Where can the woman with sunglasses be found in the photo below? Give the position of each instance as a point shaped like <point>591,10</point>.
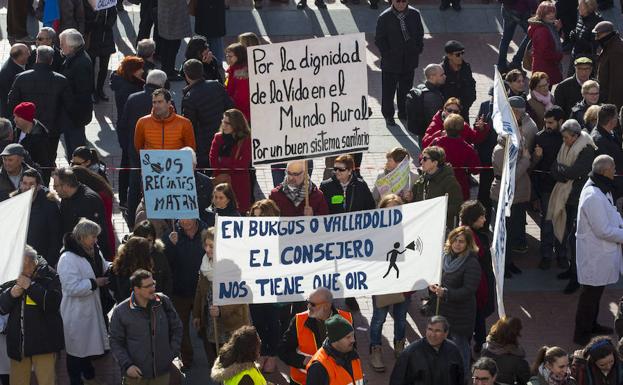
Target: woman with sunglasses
<point>435,129</point>
<point>598,363</point>
<point>344,191</point>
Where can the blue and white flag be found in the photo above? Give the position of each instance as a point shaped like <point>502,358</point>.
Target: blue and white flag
<point>505,125</point>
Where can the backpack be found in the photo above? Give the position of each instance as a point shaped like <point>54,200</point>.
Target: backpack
<point>414,105</point>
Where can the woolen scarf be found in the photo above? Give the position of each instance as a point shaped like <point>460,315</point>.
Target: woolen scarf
<point>453,262</point>
<point>605,184</point>
<point>207,268</point>
<point>228,143</point>
<point>296,194</point>
<point>553,379</point>
<point>545,100</point>
<point>403,25</point>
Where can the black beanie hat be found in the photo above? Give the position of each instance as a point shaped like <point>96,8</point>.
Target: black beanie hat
<point>337,327</point>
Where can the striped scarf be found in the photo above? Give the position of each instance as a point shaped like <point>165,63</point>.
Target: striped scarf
<point>403,25</point>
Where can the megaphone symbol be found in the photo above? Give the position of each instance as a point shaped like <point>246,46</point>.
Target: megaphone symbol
<point>416,245</point>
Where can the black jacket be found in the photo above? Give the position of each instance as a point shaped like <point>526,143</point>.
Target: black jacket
<point>57,61</point>
<point>421,364</point>
<point>567,94</point>
<point>211,211</point>
<point>44,228</point>
<point>550,141</point>
<point>78,69</point>
<point>37,144</point>
<point>6,185</point>
<point>578,172</point>
<point>584,43</point>
<point>578,111</point>
<point>184,259</point>
<point>99,25</point>
<point>317,374</point>
<point>203,104</point>
<point>210,18</point>
<point>608,144</point>
<point>459,84</point>
<point>485,148</point>
<point>422,103</point>
<point>8,72</point>
<point>397,55</point>
<point>41,329</point>
<point>357,196</point>
<point>203,184</point>
<point>49,91</point>
<point>86,203</point>
<point>123,89</point>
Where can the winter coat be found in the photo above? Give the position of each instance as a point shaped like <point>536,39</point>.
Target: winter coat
<point>537,110</point>
<point>511,361</point>
<point>173,19</point>
<point>598,238</point>
<point>78,69</point>
<point>81,308</point>
<point>578,172</point>
<point>137,106</point>
<point>287,208</point>
<point>527,130</point>
<point>582,38</point>
<point>6,185</point>
<point>567,94</point>
<point>470,135</point>
<point>237,86</point>
<point>44,227</point>
<point>57,61</point>
<point>72,15</point>
<point>35,325</point>
<point>170,133</point>
<point>584,372</point>
<point>236,165</point>
<point>485,295</point>
<point>397,55</point>
<point>545,57</point>
<point>485,148</point>
<point>459,84</point>
<point>523,185</point>
<point>49,91</point>
<point>36,142</point>
<point>149,338</point>
<point>8,72</point>
<point>421,364</point>
<point>203,185</point>
<point>609,73</point>
<point>539,380</point>
<point>86,203</point>
<point>98,37</point>
<point>229,211</point>
<point>458,304</point>
<point>608,144</point>
<point>461,154</point>
<point>356,197</point>
<point>210,18</point>
<point>231,317</point>
<point>421,108</point>
<point>578,111</point>
<point>123,89</point>
<point>184,259</point>
<point>203,104</point>
<point>550,141</point>
<point>439,184</point>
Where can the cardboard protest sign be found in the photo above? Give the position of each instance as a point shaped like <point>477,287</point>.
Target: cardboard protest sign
<point>382,251</point>
<point>98,5</point>
<point>396,181</point>
<point>309,98</point>
<point>169,184</point>
<point>14,218</point>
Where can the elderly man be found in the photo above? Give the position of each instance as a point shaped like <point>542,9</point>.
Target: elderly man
<point>13,166</point>
<point>78,69</point>
<point>569,91</point>
<point>290,196</point>
<point>598,246</point>
<point>337,361</point>
<point>33,136</point>
<point>459,82</point>
<point>47,37</point>
<point>6,133</point>
<point>431,360</point>
<point>424,100</point>
<point>145,49</point>
<point>15,64</point>
<point>306,333</point>
<point>609,74</point>
<point>35,328</point>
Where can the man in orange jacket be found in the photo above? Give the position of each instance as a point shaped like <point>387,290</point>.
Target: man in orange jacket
<point>163,129</point>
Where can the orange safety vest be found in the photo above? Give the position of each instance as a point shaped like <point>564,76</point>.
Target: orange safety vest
<point>337,374</point>
<point>307,343</point>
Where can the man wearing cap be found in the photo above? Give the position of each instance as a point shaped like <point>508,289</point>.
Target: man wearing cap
<point>337,361</point>
<point>15,64</point>
<point>13,167</point>
<point>527,126</point>
<point>307,332</point>
<point>400,39</point>
<point>609,74</point>
<point>32,135</point>
<point>459,80</point>
<point>569,91</point>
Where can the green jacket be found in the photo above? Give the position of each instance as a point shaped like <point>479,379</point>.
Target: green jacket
<point>439,184</point>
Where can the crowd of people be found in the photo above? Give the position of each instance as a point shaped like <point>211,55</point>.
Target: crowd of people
<point>82,291</point>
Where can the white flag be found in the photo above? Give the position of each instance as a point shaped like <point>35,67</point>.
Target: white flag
<point>14,218</point>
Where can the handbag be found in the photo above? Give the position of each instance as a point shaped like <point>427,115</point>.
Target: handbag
<point>385,300</point>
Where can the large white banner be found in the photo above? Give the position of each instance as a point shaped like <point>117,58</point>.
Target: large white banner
<point>309,98</point>
<point>392,250</point>
<point>505,125</point>
<point>14,217</point>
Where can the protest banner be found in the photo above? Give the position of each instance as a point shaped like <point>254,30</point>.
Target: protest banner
<point>283,259</point>
<point>98,5</point>
<point>505,125</point>
<point>14,218</point>
<point>396,181</point>
<point>169,184</point>
<point>309,98</point>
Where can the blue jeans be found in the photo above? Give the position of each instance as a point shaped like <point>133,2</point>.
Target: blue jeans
<point>399,311</point>
<point>465,348</point>
<point>510,21</point>
<point>217,48</point>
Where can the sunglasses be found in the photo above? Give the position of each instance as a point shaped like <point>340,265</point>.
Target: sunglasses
<point>290,173</point>
<point>341,169</point>
<point>425,158</point>
<point>311,304</point>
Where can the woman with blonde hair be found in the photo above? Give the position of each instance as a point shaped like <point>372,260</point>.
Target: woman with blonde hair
<point>503,347</point>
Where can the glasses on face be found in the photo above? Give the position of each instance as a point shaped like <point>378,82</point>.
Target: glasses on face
<point>459,54</point>
<point>340,169</point>
<point>425,159</point>
<point>592,93</point>
<point>311,304</point>
<point>452,111</point>
<point>290,173</point>
<point>481,379</point>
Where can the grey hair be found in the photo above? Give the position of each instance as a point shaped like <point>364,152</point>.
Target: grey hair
<point>602,163</point>
<point>430,69</point>
<point>588,85</point>
<point>571,126</point>
<point>30,252</point>
<point>192,153</point>
<point>84,228</point>
<point>486,363</point>
<point>6,129</point>
<point>45,54</point>
<point>145,48</point>
<point>439,319</point>
<point>590,4</point>
<point>73,38</point>
<point>156,78</point>
<point>328,296</point>
<point>50,32</point>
